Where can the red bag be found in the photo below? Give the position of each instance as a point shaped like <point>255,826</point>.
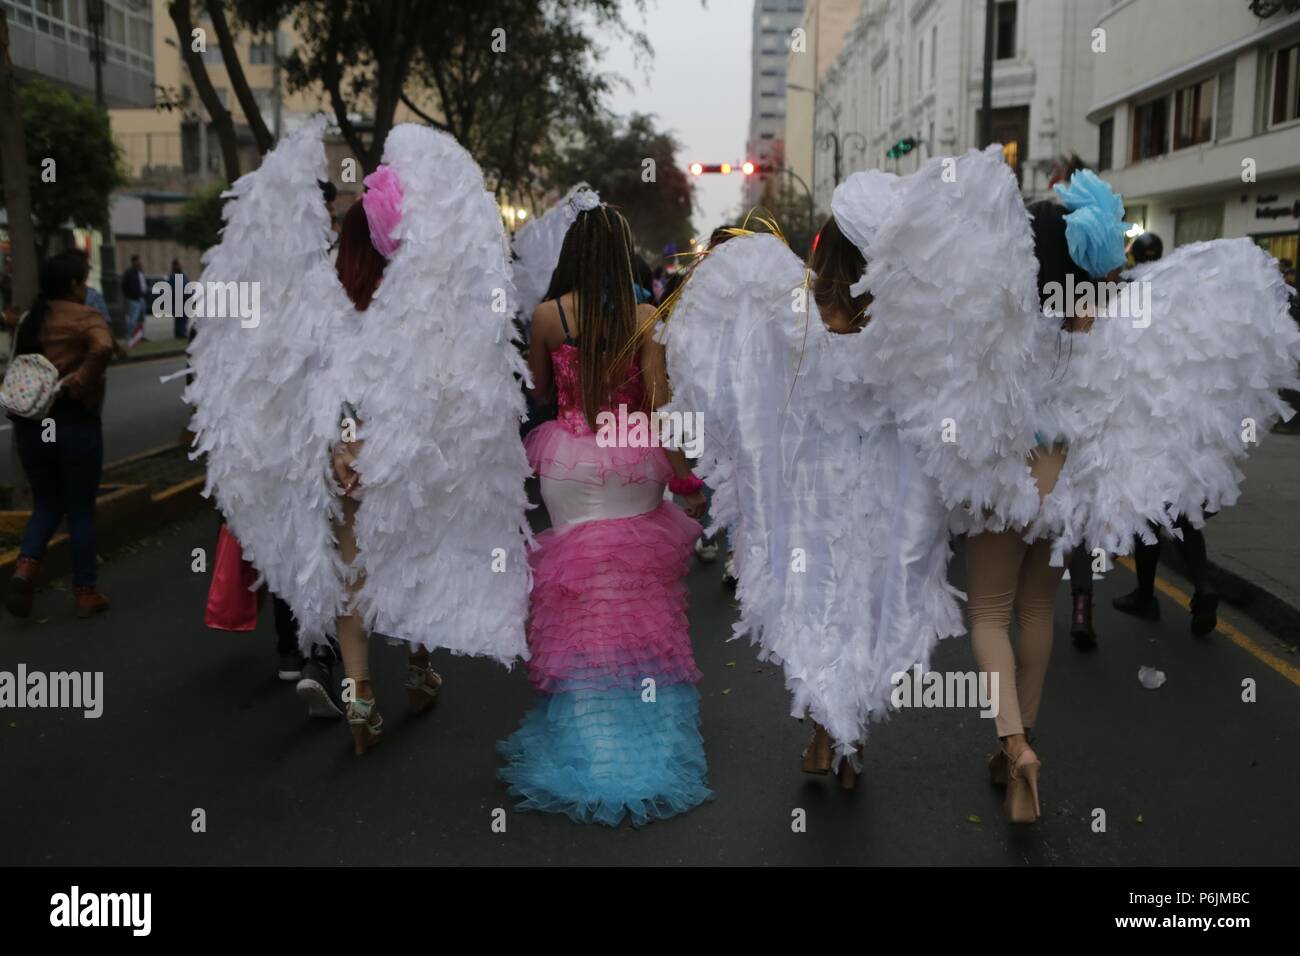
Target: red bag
<point>231,605</point>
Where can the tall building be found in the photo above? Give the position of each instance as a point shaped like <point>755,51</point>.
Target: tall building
<point>914,69</point>
<point>825,26</point>
<point>53,39</point>
<point>1197,116</point>
<point>774,24</point>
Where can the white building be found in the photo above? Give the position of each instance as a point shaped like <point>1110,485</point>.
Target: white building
<point>774,21</point>
<point>914,69</point>
<point>1198,113</point>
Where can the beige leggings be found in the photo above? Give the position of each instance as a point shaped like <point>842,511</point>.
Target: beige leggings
<point>354,644</point>
<point>1002,573</point>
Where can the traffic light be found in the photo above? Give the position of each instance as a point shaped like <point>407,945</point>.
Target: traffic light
<point>901,148</point>
<point>748,168</point>
<point>696,169</point>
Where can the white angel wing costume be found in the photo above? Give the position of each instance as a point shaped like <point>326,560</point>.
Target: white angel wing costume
<point>537,249</point>
<point>954,313</point>
<point>806,476</point>
<point>1176,381</point>
<point>262,414</point>
<point>431,368</point>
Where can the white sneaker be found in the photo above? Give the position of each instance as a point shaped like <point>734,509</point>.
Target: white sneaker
<point>706,550</point>
<point>729,576</point>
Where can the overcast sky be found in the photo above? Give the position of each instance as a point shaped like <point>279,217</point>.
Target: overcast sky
<point>697,85</point>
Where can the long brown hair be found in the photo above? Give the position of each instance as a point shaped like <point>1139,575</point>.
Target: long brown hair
<point>837,264</point>
<point>360,265</point>
<point>596,265</point>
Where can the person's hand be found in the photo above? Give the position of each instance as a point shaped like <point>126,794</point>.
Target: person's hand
<point>344,460</point>
<point>696,504</point>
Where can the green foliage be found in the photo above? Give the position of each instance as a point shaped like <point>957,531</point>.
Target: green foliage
<point>199,224</point>
<point>87,165</point>
<point>612,156</point>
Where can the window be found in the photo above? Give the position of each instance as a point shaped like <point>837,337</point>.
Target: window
<point>259,54</point>
<point>1006,30</point>
<point>1286,84</point>
<point>1194,114</point>
<point>920,66</point>
<point>934,46</point>
<point>1198,223</point>
<point>1105,143</point>
<point>1151,129</point>
<point>1223,113</point>
<point>1281,246</point>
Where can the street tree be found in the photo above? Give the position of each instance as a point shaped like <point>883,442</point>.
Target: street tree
<point>633,166</point>
<point>73,163</point>
<point>17,190</point>
<point>199,224</point>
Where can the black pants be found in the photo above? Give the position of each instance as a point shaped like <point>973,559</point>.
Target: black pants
<point>64,475</point>
<point>1191,549</point>
<point>1081,569</point>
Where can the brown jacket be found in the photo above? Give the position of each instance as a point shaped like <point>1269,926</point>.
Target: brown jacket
<point>76,340</point>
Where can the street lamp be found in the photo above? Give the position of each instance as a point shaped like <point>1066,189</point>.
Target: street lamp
<point>832,140</point>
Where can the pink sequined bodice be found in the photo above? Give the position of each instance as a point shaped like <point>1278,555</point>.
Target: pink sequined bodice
<point>569,412</point>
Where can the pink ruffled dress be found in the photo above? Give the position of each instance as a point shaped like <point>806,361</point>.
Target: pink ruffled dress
<point>616,732</point>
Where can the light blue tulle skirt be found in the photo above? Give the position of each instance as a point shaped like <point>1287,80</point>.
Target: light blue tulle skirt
<point>599,756</point>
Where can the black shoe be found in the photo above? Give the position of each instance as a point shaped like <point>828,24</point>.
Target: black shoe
<point>1205,613</point>
<point>316,687</point>
<point>1139,604</point>
<point>290,666</point>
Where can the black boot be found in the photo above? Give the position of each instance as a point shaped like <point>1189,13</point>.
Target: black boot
<point>1139,603</point>
<point>1205,613</point>
<point>1085,638</point>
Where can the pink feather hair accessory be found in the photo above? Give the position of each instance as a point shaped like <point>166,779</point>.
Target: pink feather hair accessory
<point>382,202</point>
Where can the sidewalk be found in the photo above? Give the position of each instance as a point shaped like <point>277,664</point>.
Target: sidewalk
<point>1254,546</point>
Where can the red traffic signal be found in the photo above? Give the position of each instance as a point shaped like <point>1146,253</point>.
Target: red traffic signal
<point>748,168</point>
<point>696,169</point>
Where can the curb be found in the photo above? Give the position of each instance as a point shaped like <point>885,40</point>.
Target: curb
<point>152,356</point>
<point>1271,611</point>
<point>121,517</point>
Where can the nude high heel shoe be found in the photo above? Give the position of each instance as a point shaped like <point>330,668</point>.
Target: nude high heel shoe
<point>817,756</point>
<point>1022,787</point>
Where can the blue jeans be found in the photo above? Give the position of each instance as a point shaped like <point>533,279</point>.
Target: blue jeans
<point>64,475</point>
<point>134,316</point>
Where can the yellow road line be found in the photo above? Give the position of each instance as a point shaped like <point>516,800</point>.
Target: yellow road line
<point>1285,668</point>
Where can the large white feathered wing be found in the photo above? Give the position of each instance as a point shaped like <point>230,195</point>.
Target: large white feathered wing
<point>800,460</point>
<point>1177,380</point>
<point>433,369</point>
<point>537,251</point>
<point>953,320</point>
<point>257,390</point>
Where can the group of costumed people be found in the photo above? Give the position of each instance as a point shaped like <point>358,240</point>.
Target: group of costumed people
<point>914,381</point>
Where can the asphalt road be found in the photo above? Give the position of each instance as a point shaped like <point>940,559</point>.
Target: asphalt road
<point>1187,774</point>
<point>140,413</point>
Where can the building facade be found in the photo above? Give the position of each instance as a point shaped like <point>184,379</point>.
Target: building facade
<point>914,69</point>
<point>53,40</point>
<point>824,26</point>
<point>774,22</point>
<point>1197,119</point>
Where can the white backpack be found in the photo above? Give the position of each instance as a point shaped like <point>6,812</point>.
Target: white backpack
<point>30,385</point>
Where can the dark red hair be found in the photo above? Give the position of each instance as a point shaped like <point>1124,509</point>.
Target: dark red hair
<point>360,265</point>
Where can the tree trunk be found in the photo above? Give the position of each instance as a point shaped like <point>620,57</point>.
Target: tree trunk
<point>225,126</point>
<point>13,168</point>
<point>238,82</point>
<point>22,237</point>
